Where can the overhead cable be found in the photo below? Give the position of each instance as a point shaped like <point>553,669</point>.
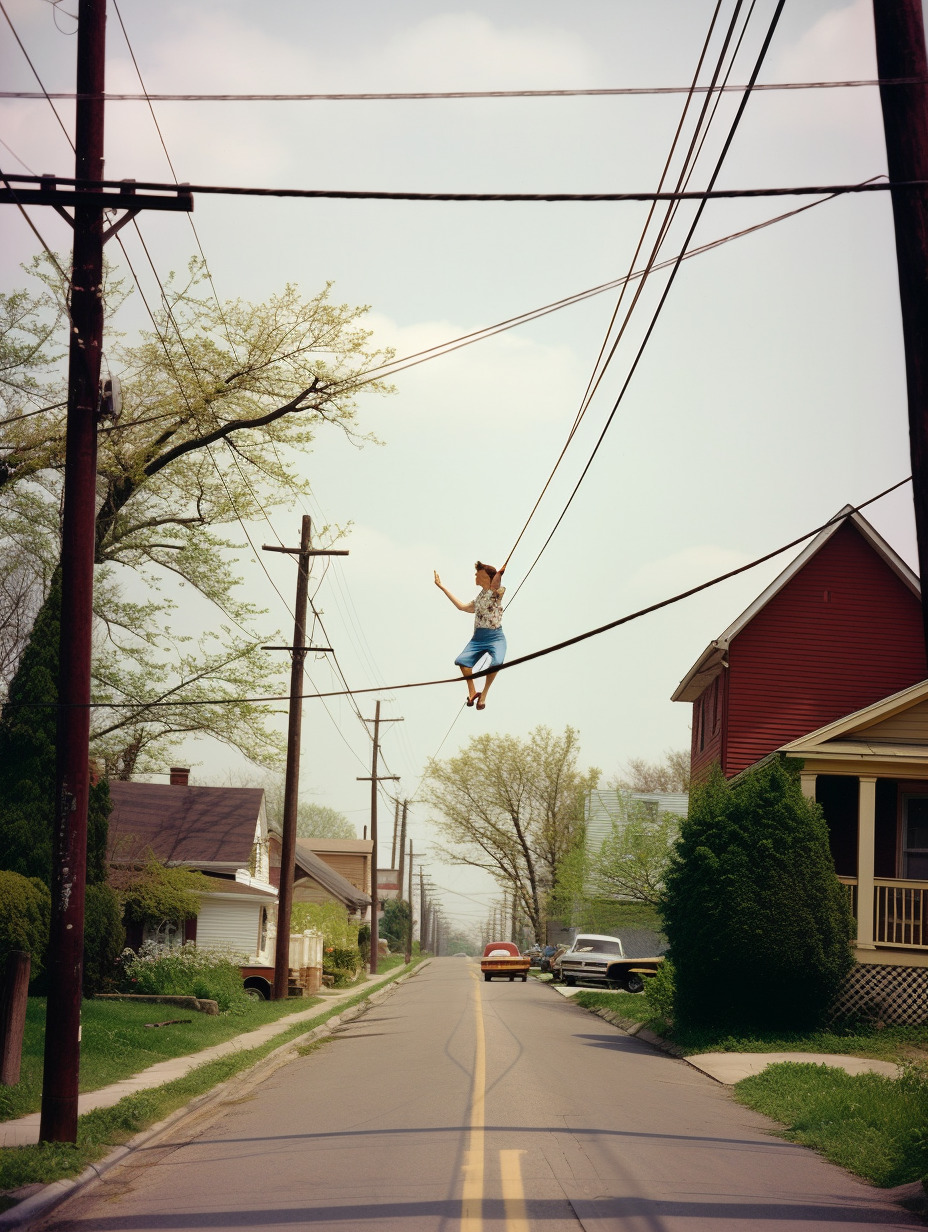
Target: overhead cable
<point>426,95</point>
<point>345,194</point>
<point>535,654</point>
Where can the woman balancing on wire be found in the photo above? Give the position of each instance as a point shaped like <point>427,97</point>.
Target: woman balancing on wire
<point>487,648</point>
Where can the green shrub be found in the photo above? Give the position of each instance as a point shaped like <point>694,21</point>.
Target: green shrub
<point>342,963</point>
<point>330,919</point>
<point>395,923</point>
<point>160,894</point>
<point>758,924</point>
<point>25,914</point>
<point>185,971</point>
<point>659,992</point>
<point>104,938</point>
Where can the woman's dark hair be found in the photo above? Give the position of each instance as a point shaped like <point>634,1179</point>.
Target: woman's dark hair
<point>490,570</point>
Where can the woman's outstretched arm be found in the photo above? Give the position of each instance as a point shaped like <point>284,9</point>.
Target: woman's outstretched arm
<point>462,607</point>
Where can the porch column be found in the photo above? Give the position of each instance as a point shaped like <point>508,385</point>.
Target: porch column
<point>807,779</point>
<point>866,843</point>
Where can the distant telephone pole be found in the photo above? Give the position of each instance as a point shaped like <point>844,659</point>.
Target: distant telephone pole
<point>374,779</point>
<point>411,912</point>
<point>304,553</point>
<point>402,864</point>
<point>900,53</point>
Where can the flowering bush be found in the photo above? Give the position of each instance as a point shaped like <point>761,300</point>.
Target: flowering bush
<point>184,971</point>
<point>342,963</point>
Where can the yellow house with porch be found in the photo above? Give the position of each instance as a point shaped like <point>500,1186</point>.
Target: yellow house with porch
<point>869,772</point>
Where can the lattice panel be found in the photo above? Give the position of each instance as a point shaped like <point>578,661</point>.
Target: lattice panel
<point>890,994</point>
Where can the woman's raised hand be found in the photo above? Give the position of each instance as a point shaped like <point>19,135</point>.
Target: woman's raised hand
<point>437,578</point>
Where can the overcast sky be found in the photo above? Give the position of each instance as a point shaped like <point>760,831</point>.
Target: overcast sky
<point>770,394</point>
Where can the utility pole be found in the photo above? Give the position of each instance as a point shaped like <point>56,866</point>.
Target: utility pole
<point>72,773</point>
<point>375,778</point>
<point>422,945</point>
<point>402,865</point>
<point>409,900</point>
<point>294,731</point>
<point>78,542</point>
<point>900,53</point>
<point>396,826</point>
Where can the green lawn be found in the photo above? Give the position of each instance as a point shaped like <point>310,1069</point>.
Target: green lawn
<point>874,1126</point>
<point>101,1130</point>
<point>898,1043</point>
<point>116,1043</point>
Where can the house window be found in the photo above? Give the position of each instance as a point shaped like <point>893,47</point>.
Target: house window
<point>915,839</point>
<point>168,932</point>
<point>262,931</point>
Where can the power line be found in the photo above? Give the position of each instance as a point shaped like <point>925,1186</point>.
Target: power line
<point>344,194</point>
<point>546,650</point>
<point>446,348</point>
<point>425,95</point>
<point>701,128</point>
<point>663,299</point>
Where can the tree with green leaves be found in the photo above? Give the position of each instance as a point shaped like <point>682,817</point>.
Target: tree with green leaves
<point>759,925</point>
<point>159,896</point>
<point>634,855</point>
<point>515,809</point>
<point>394,924</point>
<point>220,404</point>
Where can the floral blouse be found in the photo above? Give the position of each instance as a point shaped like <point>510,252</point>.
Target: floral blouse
<point>488,609</point>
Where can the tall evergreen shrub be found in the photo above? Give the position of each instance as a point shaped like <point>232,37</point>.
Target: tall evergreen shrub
<point>759,925</point>
<point>27,760</point>
<point>25,912</point>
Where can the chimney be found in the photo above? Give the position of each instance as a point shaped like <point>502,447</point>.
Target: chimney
<point>180,776</point>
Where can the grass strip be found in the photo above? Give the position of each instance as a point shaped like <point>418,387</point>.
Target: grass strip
<point>875,1127</point>
<point>104,1128</point>
<point>116,1043</point>
<point>896,1043</point>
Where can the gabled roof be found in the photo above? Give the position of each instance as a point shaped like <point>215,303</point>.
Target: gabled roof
<point>870,731</point>
<point>714,657</point>
<point>337,885</point>
<point>201,826</point>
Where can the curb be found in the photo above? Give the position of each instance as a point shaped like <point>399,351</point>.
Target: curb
<point>24,1213</point>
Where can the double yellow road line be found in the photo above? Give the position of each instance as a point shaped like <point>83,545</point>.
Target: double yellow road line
<point>510,1162</point>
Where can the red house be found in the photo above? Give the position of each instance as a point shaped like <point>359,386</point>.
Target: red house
<point>838,630</point>
<point>828,667</point>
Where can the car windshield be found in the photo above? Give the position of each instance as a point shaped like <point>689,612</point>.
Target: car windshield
<point>586,945</point>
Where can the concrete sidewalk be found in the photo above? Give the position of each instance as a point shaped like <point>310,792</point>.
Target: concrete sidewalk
<point>730,1067</point>
<point>25,1130</point>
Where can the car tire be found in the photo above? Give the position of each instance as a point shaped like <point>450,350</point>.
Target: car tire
<point>524,979</point>
<point>486,976</point>
<point>570,980</point>
<point>634,982</point>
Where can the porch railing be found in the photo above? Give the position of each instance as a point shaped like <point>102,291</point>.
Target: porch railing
<point>900,911</point>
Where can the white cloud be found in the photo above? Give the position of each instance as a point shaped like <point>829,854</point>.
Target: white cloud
<point>508,379</point>
<point>681,570</point>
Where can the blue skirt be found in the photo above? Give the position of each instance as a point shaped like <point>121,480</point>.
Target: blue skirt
<point>490,642</point>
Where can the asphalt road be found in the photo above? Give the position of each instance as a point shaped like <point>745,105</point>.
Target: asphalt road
<point>460,1105</point>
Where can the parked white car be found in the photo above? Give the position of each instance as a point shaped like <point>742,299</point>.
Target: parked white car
<point>598,959</point>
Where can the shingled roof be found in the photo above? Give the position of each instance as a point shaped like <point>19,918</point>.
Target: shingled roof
<point>208,827</point>
<point>328,878</point>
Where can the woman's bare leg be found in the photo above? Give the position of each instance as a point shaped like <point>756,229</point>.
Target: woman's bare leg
<point>487,681</point>
<point>471,691</point>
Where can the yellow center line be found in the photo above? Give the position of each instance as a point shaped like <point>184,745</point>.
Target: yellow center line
<point>472,1195</point>
<point>510,1166</point>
